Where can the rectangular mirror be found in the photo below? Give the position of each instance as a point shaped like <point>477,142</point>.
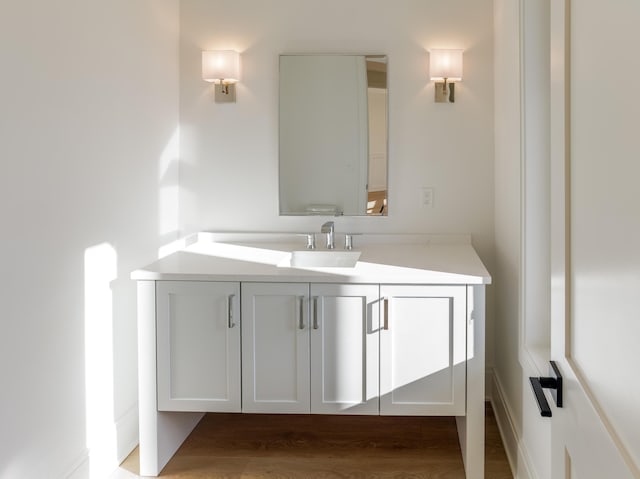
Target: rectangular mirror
<point>333,135</point>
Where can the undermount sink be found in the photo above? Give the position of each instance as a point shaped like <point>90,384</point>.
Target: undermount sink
<point>322,259</point>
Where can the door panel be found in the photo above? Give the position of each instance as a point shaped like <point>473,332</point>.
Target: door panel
<point>423,350</point>
<point>595,256</point>
<point>275,348</point>
<point>198,346</point>
<point>344,346</point>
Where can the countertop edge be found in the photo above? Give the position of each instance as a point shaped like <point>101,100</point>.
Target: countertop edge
<point>200,257</point>
<point>312,277</point>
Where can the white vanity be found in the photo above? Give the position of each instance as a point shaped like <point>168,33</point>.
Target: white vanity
<point>227,325</point>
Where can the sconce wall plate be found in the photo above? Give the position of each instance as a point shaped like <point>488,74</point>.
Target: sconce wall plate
<point>445,92</point>
<point>224,93</point>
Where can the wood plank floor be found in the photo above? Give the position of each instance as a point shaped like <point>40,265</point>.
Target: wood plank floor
<point>313,446</point>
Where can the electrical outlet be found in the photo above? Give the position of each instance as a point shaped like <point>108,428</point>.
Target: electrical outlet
<point>426,197</point>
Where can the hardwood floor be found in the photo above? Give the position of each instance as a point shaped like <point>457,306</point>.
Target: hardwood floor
<point>313,446</point>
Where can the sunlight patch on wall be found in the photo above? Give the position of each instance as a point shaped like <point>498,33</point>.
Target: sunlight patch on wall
<point>168,190</point>
<point>100,269</point>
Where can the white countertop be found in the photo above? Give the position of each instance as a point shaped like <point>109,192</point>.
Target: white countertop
<point>394,259</point>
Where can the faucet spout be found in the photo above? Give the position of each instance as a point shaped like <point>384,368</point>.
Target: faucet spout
<point>328,228</point>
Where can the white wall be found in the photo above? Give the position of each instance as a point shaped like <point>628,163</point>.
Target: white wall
<point>89,104</point>
<point>229,152</point>
<point>507,391</point>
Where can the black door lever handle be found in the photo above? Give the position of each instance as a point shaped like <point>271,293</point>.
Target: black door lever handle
<point>553,382</point>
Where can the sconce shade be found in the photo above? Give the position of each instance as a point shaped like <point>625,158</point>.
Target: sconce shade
<point>221,66</point>
<point>445,64</point>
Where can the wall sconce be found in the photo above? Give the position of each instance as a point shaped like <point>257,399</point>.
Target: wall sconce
<point>445,68</point>
<point>222,67</point>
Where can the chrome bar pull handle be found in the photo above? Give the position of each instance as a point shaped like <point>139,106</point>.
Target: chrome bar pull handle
<point>386,314</point>
<point>301,312</point>
<point>315,312</point>
<point>230,321</point>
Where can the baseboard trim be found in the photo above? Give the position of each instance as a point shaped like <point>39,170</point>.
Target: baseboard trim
<point>514,447</point>
<point>125,430</point>
<point>488,383</point>
<point>79,469</point>
<point>127,433</point>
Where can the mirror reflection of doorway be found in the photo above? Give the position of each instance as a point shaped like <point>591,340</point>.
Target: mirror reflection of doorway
<point>377,103</point>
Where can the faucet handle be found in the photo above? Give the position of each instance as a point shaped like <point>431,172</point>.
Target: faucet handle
<point>348,241</point>
<point>310,238</point>
<point>311,241</point>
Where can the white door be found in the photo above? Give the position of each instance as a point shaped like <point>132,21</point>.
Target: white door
<point>423,350</point>
<point>198,341</point>
<point>344,349</point>
<point>275,348</point>
<point>595,240</point>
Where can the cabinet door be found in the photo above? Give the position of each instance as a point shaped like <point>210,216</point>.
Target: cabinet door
<point>198,341</point>
<point>344,349</point>
<point>423,350</point>
<point>275,347</point>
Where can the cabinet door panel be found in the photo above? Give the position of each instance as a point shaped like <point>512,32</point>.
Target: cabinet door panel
<point>275,345</point>
<point>198,351</point>
<point>344,348</point>
<point>423,350</point>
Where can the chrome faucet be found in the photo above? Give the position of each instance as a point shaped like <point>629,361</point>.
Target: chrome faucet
<point>328,229</point>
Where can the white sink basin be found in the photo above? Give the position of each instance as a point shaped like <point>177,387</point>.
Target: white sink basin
<point>321,259</point>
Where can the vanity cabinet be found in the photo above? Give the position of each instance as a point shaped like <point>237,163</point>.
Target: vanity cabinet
<point>311,348</point>
<point>198,346</point>
<point>423,350</point>
<point>225,327</point>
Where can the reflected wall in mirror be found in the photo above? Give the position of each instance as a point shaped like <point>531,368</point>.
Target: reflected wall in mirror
<point>333,135</point>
